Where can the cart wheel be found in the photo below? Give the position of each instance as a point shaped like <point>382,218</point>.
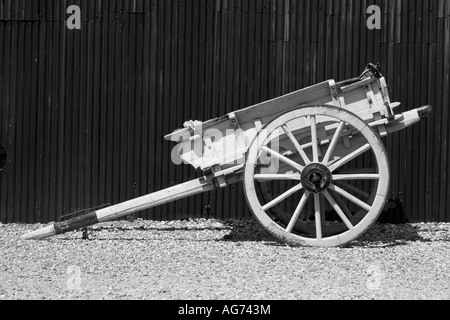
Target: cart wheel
<point>279,214</point>
<point>317,176</point>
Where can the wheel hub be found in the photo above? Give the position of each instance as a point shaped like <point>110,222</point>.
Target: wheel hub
<point>316,178</point>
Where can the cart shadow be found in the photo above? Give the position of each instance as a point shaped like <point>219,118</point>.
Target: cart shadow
<point>241,231</point>
<point>380,235</point>
<point>387,235</point>
<point>249,231</point>
<point>230,230</point>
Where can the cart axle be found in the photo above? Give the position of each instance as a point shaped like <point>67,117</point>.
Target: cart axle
<point>316,178</point>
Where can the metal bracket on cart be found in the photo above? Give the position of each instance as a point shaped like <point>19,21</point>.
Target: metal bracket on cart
<point>80,213</point>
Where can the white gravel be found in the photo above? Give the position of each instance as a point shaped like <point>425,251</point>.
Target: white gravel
<point>210,259</point>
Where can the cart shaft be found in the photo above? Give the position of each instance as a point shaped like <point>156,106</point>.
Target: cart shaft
<point>404,120</point>
<point>151,200</point>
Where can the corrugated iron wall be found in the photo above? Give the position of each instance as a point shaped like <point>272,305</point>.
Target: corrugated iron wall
<point>83,112</point>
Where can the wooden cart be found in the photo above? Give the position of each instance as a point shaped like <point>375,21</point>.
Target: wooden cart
<point>314,169</point>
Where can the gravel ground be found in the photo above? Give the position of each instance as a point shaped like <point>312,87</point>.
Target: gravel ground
<point>211,259</point>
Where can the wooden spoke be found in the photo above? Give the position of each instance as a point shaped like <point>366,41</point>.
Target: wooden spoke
<point>297,211</point>
<point>338,209</point>
<point>315,147</point>
<point>357,171</point>
<point>305,216</point>
<point>296,144</point>
<point>350,197</point>
<point>358,176</point>
<point>272,177</point>
<point>349,157</point>
<point>318,217</point>
<point>282,197</point>
<point>342,205</point>
<point>354,189</point>
<point>333,143</point>
<point>286,160</point>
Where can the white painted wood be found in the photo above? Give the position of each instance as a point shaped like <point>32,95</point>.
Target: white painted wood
<point>407,119</point>
<point>272,177</point>
<point>282,197</point>
<point>318,216</point>
<point>297,211</point>
<point>358,84</point>
<point>333,143</point>
<point>283,158</point>
<point>350,157</point>
<point>297,146</point>
<point>39,234</point>
<point>342,205</point>
<point>351,197</point>
<point>253,118</point>
<point>156,199</point>
<point>271,109</point>
<point>338,210</point>
<point>357,176</point>
<point>337,101</point>
<point>315,147</point>
<point>352,188</point>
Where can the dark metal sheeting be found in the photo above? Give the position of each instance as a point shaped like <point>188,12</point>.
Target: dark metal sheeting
<point>83,112</point>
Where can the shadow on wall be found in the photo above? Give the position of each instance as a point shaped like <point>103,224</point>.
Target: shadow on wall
<point>3,158</point>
